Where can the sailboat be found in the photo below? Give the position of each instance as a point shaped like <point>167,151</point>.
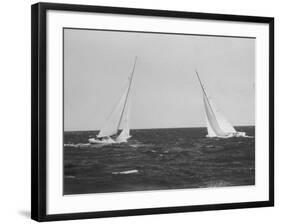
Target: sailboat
<point>217,125</point>
<point>118,119</point>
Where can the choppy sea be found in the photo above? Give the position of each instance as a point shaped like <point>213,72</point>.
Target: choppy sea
<point>158,159</point>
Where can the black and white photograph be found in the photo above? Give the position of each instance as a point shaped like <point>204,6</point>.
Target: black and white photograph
<point>146,111</point>
<point>139,111</point>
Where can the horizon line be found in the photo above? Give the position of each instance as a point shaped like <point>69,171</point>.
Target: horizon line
<point>252,125</point>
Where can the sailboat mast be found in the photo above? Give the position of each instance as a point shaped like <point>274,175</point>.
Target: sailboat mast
<point>129,88</point>
<point>204,92</point>
<point>200,82</point>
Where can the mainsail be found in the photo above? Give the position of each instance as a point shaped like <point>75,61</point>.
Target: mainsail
<point>111,125</point>
<point>125,133</point>
<point>119,115</point>
<point>217,124</point>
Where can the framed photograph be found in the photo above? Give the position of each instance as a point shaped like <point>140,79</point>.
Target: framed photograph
<point>140,111</point>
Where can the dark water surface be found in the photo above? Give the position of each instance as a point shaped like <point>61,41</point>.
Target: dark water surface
<point>160,159</point>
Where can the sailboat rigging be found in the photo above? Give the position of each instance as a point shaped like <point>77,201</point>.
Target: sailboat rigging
<point>118,119</point>
<point>217,124</point>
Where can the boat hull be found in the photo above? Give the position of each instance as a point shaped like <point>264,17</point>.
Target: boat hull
<point>108,141</point>
<point>230,135</point>
<point>103,141</point>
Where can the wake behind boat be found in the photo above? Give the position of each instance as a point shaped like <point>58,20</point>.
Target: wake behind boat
<point>217,125</point>
<point>118,119</point>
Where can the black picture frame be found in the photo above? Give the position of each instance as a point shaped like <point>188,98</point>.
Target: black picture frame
<point>39,122</point>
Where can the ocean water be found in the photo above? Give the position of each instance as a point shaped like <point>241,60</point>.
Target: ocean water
<point>158,159</point>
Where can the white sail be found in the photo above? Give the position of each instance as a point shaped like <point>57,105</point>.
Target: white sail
<point>217,124</point>
<point>125,133</point>
<point>224,124</point>
<point>211,132</point>
<point>120,114</point>
<point>112,123</point>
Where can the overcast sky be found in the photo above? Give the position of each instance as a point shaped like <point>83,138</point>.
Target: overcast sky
<point>165,91</point>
